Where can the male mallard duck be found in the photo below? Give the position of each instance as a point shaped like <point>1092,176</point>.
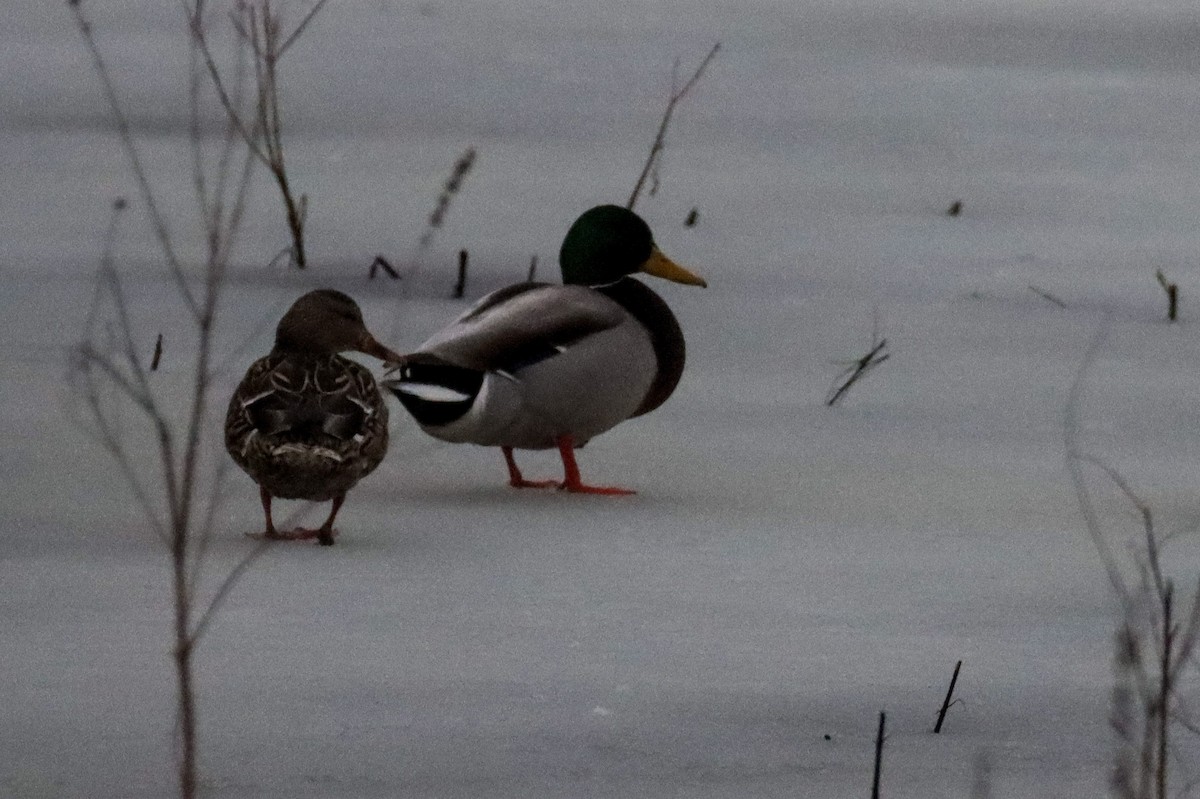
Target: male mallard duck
<point>538,365</point>
<point>305,422</point>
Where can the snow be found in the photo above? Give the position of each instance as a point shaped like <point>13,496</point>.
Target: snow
<point>786,571</point>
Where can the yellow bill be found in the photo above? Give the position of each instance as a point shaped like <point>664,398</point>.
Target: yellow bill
<point>660,265</point>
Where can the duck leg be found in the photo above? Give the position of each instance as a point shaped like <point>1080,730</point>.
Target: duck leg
<point>571,480</point>
<point>325,533</point>
<point>516,480</point>
<point>270,532</point>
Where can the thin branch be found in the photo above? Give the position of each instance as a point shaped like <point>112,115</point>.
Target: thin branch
<point>1143,511</point>
<point>858,370</point>
<point>207,526</point>
<point>300,28</point>
<point>1045,295</point>
<point>113,444</point>
<point>89,357</point>
<point>107,366</point>
<point>382,263</point>
<point>198,176</point>
<point>879,739</point>
<point>158,353</point>
<point>268,318</point>
<point>229,222</point>
<point>125,325</point>
<point>1075,460</point>
<point>453,184</point>
<point>222,592</point>
<point>659,142</point>
<point>231,108</point>
<point>1166,688</point>
<point>1187,636</point>
<point>1172,290</point>
<point>125,135</point>
<point>937,728</point>
<point>232,223</point>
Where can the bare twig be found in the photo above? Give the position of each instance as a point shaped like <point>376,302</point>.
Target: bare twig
<point>260,28</point>
<point>382,263</point>
<point>878,770</point>
<point>1045,295</point>
<point>125,135</point>
<point>295,34</point>
<point>222,592</point>
<point>1165,689</point>
<point>1126,663</point>
<point>660,137</point>
<point>1146,688</point>
<point>859,367</point>
<point>452,186</point>
<point>1172,290</point>
<point>852,375</point>
<point>460,286</point>
<point>1075,460</point>
<point>158,351</point>
<point>106,368</point>
<point>946,703</point>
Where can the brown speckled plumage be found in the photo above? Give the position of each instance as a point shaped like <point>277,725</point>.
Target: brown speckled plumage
<point>305,422</point>
<point>307,427</point>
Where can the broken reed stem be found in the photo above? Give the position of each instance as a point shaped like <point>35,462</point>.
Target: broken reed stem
<point>1126,662</point>
<point>461,286</point>
<point>879,738</point>
<point>158,351</point>
<point>937,728</point>
<point>857,371</point>
<point>1145,700</point>
<point>109,374</point>
<point>1165,689</point>
<point>532,269</point>
<point>659,142</point>
<point>1045,295</point>
<point>125,135</point>
<point>382,263</point>
<point>1172,290</point>
<point>259,27</point>
<point>452,186</point>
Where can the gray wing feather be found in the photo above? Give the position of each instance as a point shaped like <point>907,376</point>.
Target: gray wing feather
<point>520,322</point>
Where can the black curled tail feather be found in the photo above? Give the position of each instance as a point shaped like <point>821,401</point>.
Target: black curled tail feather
<point>434,392</point>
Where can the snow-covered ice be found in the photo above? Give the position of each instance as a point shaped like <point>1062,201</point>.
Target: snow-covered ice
<point>787,570</point>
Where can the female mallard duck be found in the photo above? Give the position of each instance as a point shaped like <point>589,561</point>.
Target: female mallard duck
<point>538,365</point>
<point>305,422</point>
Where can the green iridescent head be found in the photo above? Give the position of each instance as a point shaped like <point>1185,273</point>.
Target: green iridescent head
<point>607,243</point>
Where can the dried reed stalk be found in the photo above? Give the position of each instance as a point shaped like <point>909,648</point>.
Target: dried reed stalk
<point>1155,643</point>
<point>660,137</point>
<point>107,370</point>
<point>260,29</point>
<point>452,186</point>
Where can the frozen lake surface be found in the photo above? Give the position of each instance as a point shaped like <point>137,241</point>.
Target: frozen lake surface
<point>786,570</point>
